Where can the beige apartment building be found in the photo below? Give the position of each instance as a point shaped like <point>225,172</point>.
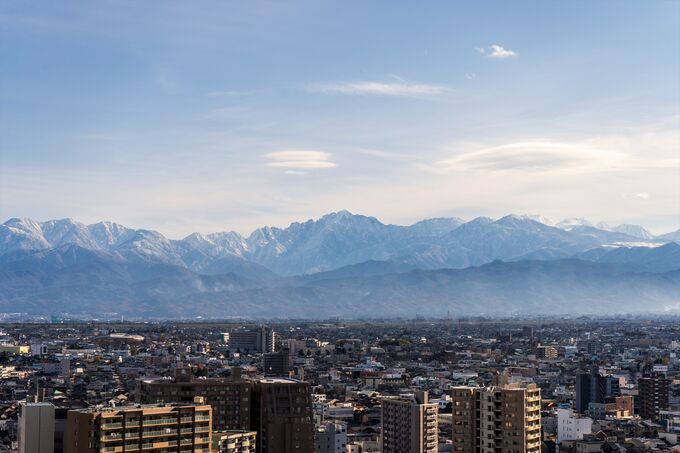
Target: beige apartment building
<point>409,424</point>
<point>499,419</point>
<point>148,429</point>
<point>235,442</point>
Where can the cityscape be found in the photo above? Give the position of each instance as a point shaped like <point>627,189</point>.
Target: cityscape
<point>581,384</point>
<point>339,226</point>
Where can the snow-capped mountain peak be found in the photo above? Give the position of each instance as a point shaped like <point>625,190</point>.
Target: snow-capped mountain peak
<point>334,240</point>
<point>25,225</point>
<point>633,230</point>
<point>538,218</point>
<point>572,222</point>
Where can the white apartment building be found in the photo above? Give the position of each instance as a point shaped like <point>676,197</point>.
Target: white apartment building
<point>572,426</point>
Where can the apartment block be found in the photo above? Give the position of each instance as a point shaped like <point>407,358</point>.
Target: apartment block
<point>230,399</point>
<point>36,428</point>
<point>503,419</point>
<point>572,426</point>
<point>465,418</point>
<point>546,352</point>
<point>331,437</point>
<point>261,340</point>
<point>278,409</point>
<point>276,363</point>
<point>653,395</point>
<point>282,416</point>
<point>148,429</point>
<point>409,424</point>
<point>235,442</point>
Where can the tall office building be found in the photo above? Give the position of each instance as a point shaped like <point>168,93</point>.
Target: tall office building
<point>409,424</point>
<point>591,387</point>
<point>282,416</point>
<point>262,340</point>
<point>497,419</point>
<point>36,428</point>
<point>653,394</point>
<point>157,428</point>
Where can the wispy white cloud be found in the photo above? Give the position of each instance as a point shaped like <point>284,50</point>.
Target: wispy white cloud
<point>399,87</point>
<point>497,51</point>
<point>395,156</point>
<point>540,155</point>
<point>532,155</point>
<point>642,195</point>
<point>229,93</point>
<point>300,159</point>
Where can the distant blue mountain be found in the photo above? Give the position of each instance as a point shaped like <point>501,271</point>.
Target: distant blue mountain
<point>341,258</point>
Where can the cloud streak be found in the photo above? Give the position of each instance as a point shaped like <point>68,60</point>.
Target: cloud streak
<point>553,156</point>
<point>399,88</point>
<point>536,155</point>
<point>229,93</point>
<point>300,160</point>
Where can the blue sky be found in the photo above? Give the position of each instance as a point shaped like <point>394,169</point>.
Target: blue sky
<point>206,117</point>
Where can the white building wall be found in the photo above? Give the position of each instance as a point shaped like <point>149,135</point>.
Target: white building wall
<point>571,426</point>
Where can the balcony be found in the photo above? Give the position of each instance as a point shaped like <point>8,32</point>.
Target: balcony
<point>161,421</point>
<point>172,432</point>
<point>111,425</point>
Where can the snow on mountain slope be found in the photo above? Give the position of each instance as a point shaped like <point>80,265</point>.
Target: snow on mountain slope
<point>335,240</point>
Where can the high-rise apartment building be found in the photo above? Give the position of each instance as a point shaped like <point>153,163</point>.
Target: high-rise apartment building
<point>262,340</point>
<point>230,399</point>
<point>282,416</point>
<point>503,419</point>
<point>36,428</point>
<point>279,410</point>
<point>465,418</point>
<point>153,428</point>
<point>653,395</point>
<point>409,424</point>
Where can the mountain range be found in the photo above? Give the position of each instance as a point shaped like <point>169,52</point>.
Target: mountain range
<point>340,265</point>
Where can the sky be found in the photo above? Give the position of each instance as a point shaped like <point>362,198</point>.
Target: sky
<point>212,116</point>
